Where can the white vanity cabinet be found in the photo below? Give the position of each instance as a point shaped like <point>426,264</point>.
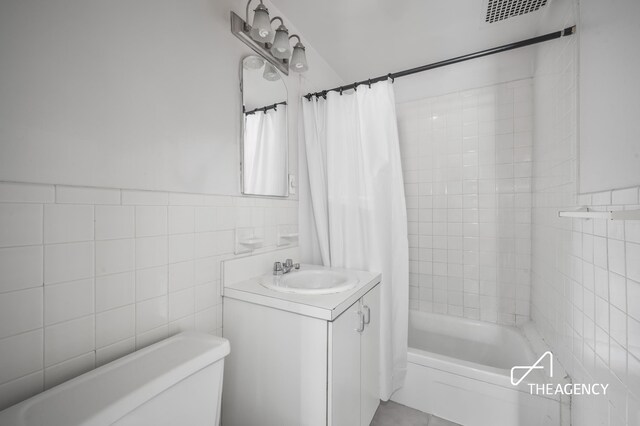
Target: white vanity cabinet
<point>297,360</point>
<point>354,354</point>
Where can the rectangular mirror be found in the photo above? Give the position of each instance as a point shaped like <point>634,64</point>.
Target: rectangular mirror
<point>264,132</point>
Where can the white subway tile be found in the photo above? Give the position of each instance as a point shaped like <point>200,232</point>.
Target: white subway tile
<point>600,252</point>
<point>20,224</point>
<point>68,340</point>
<point>617,256</point>
<point>68,262</point>
<point>206,219</point>
<point>183,324</point>
<point>66,223</point>
<point>66,370</point>
<point>151,221</point>
<point>151,314</point>
<point>181,219</point>
<point>206,320</point>
<point>152,336</point>
<point>113,256</point>
<point>632,231</point>
<point>151,251</point>
<point>115,290</point>
<point>181,247</point>
<point>86,195</point>
<point>144,198</point>
<point>20,389</point>
<point>207,269</point>
<point>206,295</point>
<point>601,198</point>
<point>26,193</point>
<point>114,222</point>
<point>633,296</point>
<point>618,291</point>
<point>67,301</point>
<point>633,261</point>
<point>20,311</point>
<point>151,283</point>
<point>20,355</point>
<point>21,268</point>
<point>115,325</point>
<point>181,303</point>
<point>625,196</point>
<point>181,275</point>
<point>182,199</point>
<point>117,350</point>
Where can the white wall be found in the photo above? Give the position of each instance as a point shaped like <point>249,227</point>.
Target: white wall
<point>585,274</point>
<point>507,66</point>
<point>92,274</point>
<point>125,94</point>
<point>609,95</point>
<point>467,169</point>
<point>101,102</point>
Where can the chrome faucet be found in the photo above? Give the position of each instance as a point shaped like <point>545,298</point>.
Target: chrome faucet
<point>281,268</point>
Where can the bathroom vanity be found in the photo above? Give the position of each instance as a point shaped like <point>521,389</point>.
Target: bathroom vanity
<point>302,359</point>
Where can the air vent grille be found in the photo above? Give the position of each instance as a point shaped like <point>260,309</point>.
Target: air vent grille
<point>498,10</point>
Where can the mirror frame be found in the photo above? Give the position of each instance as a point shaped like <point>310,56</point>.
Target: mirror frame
<point>242,131</point>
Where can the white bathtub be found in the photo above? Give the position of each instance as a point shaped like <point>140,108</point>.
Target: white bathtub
<point>459,369</point>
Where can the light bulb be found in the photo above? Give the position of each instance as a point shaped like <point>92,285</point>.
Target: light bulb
<point>299,58</point>
<point>261,29</point>
<point>253,63</point>
<point>270,73</point>
<point>281,48</point>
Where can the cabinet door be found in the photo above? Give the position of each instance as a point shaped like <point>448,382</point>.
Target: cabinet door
<point>344,367</point>
<point>370,356</point>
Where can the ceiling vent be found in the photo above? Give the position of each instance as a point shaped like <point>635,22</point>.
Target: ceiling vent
<point>498,10</point>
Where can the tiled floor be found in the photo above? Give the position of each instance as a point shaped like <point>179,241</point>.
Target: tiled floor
<point>393,414</point>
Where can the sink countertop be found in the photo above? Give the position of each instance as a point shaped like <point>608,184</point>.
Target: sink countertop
<point>323,306</point>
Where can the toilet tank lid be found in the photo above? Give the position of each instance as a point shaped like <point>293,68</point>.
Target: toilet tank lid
<point>107,393</point>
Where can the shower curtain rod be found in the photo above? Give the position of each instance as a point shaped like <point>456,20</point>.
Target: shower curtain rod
<point>265,108</point>
<point>528,42</point>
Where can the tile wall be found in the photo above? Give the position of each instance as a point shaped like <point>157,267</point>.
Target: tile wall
<point>91,274</point>
<point>585,273</point>
<point>467,169</point>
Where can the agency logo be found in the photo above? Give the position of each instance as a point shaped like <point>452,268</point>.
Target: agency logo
<point>553,388</point>
<point>529,368</point>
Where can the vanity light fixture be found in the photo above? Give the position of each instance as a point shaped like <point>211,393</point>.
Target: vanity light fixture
<point>253,63</point>
<point>270,73</point>
<point>281,48</point>
<point>272,45</point>
<point>261,30</point>
<point>299,57</point>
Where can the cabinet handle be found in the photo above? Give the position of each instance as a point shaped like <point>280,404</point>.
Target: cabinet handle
<point>360,328</point>
<point>367,314</point>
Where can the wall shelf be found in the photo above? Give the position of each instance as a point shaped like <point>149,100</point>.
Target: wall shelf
<point>247,241</point>
<point>587,213</point>
<point>287,235</point>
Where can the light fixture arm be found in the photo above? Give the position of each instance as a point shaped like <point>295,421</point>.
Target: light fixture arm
<point>279,19</point>
<point>296,36</point>
<point>247,11</point>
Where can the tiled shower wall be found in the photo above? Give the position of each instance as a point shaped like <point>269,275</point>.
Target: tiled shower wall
<point>585,273</point>
<point>467,169</point>
<point>91,274</point>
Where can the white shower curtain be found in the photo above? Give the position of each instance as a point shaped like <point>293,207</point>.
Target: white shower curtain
<point>357,199</point>
<point>264,151</point>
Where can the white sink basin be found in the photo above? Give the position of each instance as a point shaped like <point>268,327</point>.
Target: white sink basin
<point>311,281</point>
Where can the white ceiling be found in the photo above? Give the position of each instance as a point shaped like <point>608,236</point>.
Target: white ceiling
<point>368,38</point>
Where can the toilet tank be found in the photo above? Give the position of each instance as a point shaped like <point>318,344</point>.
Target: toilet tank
<point>177,381</point>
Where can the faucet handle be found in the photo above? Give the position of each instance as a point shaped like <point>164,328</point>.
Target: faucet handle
<point>288,263</point>
<point>277,268</point>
